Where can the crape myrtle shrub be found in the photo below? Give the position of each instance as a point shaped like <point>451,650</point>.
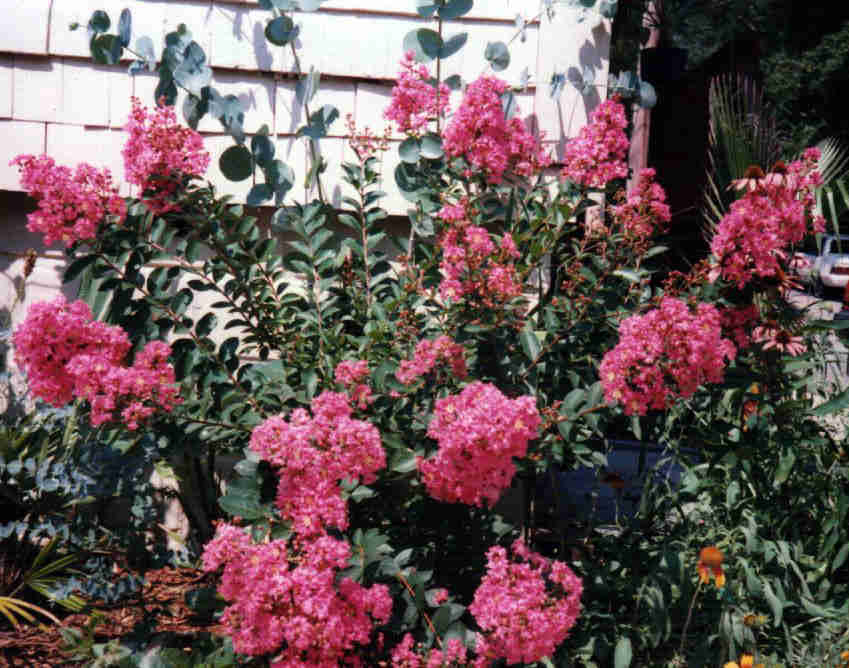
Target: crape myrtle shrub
<point>394,403</point>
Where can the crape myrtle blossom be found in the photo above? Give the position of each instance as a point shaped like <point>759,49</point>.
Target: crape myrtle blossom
<point>406,655</point>
<point>430,355</point>
<point>752,239</point>
<point>665,354</point>
<point>491,143</point>
<point>160,154</point>
<point>414,100</point>
<point>67,354</point>
<point>479,432</point>
<point>71,204</point>
<point>645,211</point>
<point>350,374</point>
<point>597,154</point>
<point>526,605</point>
<point>312,454</point>
<point>288,602</point>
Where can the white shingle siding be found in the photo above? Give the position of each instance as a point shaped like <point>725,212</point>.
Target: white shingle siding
<point>18,137</point>
<point>23,26</point>
<point>47,78</point>
<point>6,70</point>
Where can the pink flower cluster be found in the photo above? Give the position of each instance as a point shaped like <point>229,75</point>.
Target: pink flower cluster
<point>350,375</point>
<point>490,142</point>
<point>752,238</point>
<point>479,431</point>
<point>66,354</point>
<point>160,154</point>
<point>313,454</point>
<point>414,100</point>
<point>472,266</point>
<point>737,323</point>
<point>597,154</point>
<point>526,605</point>
<point>405,655</point>
<point>663,354</point>
<point>645,211</point>
<point>289,603</point>
<point>428,354</point>
<point>70,204</point>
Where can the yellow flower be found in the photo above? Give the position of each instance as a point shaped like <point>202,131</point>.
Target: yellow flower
<point>710,564</point>
<point>746,661</point>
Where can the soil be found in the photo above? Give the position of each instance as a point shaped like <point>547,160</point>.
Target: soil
<point>163,592</point>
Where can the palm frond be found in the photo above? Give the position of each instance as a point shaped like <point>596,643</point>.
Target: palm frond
<point>742,132</point>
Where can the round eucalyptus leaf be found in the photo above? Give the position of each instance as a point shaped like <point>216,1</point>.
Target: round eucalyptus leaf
<point>647,96</point>
<point>125,27</point>
<point>280,176</point>
<point>99,22</point>
<point>454,82</point>
<point>453,44</point>
<point>426,8</point>
<point>106,49</point>
<point>409,150</point>
<point>455,8</point>
<point>497,55</point>
<point>236,163</point>
<point>432,146</point>
<point>424,43</point>
<point>607,8</point>
<point>280,31</point>
<point>258,194</point>
<point>263,149</point>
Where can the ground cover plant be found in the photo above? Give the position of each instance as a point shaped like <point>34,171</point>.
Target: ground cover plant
<point>382,406</point>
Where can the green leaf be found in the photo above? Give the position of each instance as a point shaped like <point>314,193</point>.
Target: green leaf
<point>263,150</point>
<point>319,122</point>
<point>426,8</point>
<point>307,87</point>
<point>236,163</point>
<point>206,324</point>
<point>426,44</point>
<point>192,72</point>
<point>453,44</point>
<point>647,96</point>
<point>833,405</point>
<point>785,466</point>
<point>431,146</point>
<point>454,82</point>
<point>125,27</point>
<point>454,9</point>
<point>99,22</point>
<point>840,559</point>
<point>623,653</point>
<point>144,48</point>
<point>409,150</point>
<point>258,194</point>
<point>106,49</point>
<point>774,603</point>
<point>195,108</point>
<point>280,31</point>
<point>530,343</point>
<point>498,55</point>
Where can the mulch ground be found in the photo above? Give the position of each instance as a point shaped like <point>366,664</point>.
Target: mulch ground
<point>163,594</point>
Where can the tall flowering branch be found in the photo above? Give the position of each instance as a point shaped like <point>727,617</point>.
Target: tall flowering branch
<point>491,143</point>
<point>414,101</point>
<point>160,155</point>
<point>597,154</point>
<point>71,204</point>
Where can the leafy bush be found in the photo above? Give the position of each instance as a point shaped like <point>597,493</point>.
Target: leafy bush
<point>382,407</point>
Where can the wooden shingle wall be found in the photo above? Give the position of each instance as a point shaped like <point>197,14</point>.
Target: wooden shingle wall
<point>53,99</point>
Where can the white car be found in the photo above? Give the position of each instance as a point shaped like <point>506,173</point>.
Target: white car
<point>827,269</point>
